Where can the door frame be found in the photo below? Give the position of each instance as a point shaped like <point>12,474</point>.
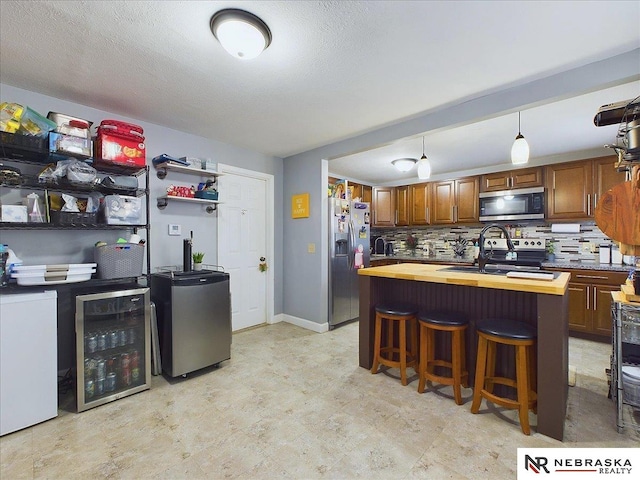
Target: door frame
<point>269,224</point>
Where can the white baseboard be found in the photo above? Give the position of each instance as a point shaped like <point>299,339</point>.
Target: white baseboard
<point>301,322</point>
<point>277,318</point>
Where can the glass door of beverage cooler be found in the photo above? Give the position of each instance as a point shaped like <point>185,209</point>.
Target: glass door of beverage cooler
<point>113,346</point>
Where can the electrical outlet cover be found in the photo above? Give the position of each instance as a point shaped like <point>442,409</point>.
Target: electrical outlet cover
<point>174,229</point>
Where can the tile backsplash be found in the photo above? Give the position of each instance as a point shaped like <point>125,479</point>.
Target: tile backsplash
<point>583,246</point>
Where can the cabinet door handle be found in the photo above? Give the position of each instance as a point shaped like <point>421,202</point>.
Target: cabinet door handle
<point>599,277</point>
<point>595,201</point>
<point>588,204</point>
<point>588,290</point>
<point>595,299</point>
<point>427,214</point>
<point>396,217</point>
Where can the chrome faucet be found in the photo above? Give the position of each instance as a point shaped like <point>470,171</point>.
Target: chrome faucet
<point>483,258</point>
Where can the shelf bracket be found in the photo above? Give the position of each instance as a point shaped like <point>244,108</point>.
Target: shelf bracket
<point>162,203</point>
<point>211,208</point>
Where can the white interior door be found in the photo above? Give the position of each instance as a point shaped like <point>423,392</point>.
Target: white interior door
<point>242,241</point>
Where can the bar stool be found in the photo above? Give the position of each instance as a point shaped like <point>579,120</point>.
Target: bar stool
<point>400,315</point>
<point>522,336</point>
<point>430,323</point>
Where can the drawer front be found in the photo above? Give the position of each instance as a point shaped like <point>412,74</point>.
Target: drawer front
<point>598,276</point>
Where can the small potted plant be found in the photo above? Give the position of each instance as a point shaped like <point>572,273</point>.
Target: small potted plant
<point>197,260</point>
<point>411,243</point>
<point>551,249</point>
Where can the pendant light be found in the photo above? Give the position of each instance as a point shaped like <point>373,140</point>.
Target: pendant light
<point>424,165</point>
<point>520,148</point>
<point>240,33</point>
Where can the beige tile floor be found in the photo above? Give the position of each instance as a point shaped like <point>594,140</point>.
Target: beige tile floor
<point>294,404</point>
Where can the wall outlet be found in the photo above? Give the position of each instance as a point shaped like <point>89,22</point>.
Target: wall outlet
<point>174,229</point>
<point>311,248</point>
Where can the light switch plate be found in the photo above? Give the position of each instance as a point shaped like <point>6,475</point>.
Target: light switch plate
<point>174,229</point>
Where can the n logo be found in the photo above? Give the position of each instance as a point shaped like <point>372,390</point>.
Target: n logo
<point>535,465</point>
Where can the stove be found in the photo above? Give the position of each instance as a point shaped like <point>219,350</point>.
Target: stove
<point>530,252</point>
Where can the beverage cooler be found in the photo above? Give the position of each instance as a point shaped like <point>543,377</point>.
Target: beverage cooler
<point>113,346</point>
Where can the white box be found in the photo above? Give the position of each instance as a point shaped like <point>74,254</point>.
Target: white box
<point>616,256</point>
<point>14,213</point>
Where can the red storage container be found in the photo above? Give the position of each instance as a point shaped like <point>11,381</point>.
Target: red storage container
<point>120,143</point>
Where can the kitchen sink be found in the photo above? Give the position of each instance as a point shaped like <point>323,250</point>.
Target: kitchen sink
<point>489,269</point>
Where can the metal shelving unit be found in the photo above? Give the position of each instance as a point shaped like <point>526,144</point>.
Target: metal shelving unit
<point>10,154</point>
<point>625,317</point>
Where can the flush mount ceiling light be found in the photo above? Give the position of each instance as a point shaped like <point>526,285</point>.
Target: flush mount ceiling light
<point>240,33</point>
<point>404,164</point>
<point>424,165</point>
<point>520,148</point>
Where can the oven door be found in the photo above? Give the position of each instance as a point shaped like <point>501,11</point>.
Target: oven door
<point>524,204</point>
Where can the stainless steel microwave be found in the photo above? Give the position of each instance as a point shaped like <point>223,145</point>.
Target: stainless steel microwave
<point>520,204</point>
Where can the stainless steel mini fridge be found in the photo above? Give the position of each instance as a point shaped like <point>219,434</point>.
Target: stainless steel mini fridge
<point>194,319</point>
<point>113,346</point>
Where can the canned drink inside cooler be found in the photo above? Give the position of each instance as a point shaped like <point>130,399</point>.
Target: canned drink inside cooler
<point>110,382</point>
<point>126,369</point>
<point>102,341</point>
<point>99,386</point>
<point>135,366</point>
<point>114,339</point>
<point>101,369</point>
<point>91,342</point>
<point>123,337</point>
<point>89,388</point>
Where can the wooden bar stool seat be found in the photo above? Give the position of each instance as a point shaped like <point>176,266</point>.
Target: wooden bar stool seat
<point>430,323</point>
<point>522,336</point>
<point>392,354</point>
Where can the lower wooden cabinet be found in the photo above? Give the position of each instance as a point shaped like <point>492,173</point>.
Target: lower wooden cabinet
<point>590,300</point>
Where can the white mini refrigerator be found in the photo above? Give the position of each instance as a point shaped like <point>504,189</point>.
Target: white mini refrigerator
<point>28,359</point>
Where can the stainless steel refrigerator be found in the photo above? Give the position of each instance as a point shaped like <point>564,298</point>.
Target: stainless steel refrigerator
<point>348,251</point>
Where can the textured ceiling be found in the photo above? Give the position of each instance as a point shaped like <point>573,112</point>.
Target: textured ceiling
<point>334,69</point>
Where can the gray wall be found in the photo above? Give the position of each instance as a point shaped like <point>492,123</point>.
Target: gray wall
<point>39,247</point>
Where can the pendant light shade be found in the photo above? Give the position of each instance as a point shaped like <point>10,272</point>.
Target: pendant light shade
<point>520,148</point>
<point>404,164</point>
<point>424,165</point>
<point>240,33</point>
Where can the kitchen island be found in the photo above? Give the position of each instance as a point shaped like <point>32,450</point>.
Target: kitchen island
<point>541,303</point>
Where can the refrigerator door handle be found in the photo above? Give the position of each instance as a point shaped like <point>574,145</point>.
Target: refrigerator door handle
<point>351,245</point>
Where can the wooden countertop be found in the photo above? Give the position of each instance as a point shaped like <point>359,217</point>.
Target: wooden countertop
<point>435,274</point>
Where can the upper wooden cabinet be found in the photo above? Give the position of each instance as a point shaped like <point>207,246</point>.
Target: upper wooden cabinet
<point>383,206</point>
<point>573,188</point>
<point>402,206</point>
<point>358,190</point>
<point>522,178</point>
<point>420,201</point>
<point>366,194</point>
<point>455,201</point>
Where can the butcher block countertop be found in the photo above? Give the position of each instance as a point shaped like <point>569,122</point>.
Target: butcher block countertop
<point>438,274</point>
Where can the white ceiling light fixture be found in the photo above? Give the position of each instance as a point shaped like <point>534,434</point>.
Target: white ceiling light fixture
<point>424,165</point>
<point>404,164</point>
<point>240,33</point>
<point>520,148</point>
